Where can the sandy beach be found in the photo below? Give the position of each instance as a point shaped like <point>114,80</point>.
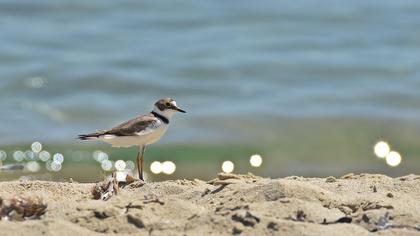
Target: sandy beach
<point>362,204</point>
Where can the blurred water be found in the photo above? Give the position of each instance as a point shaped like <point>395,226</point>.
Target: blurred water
<point>250,68</point>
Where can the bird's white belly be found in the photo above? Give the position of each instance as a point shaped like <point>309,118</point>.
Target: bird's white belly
<point>142,139</point>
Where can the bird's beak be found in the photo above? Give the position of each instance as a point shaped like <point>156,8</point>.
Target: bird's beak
<point>179,109</point>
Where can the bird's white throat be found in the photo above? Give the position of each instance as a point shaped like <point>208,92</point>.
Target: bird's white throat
<point>167,113</point>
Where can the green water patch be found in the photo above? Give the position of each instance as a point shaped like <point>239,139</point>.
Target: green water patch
<point>314,147</point>
<point>192,160</point>
<point>190,152</point>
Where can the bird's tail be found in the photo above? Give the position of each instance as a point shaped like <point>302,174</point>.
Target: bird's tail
<point>92,136</point>
<point>88,136</point>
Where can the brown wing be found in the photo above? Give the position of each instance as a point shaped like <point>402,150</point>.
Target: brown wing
<point>128,128</point>
<point>133,126</point>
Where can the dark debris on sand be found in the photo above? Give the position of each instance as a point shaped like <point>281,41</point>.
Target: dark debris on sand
<point>22,208</point>
<point>105,189</point>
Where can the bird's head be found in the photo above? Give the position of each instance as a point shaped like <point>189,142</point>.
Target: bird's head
<point>167,107</point>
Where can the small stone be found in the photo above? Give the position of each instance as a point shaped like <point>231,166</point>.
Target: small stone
<point>300,215</point>
<point>274,194</point>
<point>404,178</point>
<point>225,176</point>
<point>129,179</point>
<point>390,195</point>
<point>330,179</point>
<point>346,210</point>
<point>100,214</point>
<point>137,221</point>
<point>345,219</point>
<point>237,230</point>
<point>347,176</point>
<point>374,189</point>
<point>206,191</point>
<point>273,226</point>
<point>365,218</point>
<point>246,218</point>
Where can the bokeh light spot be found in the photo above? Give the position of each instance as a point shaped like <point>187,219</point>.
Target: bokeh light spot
<point>55,166</point>
<point>381,149</point>
<point>120,165</point>
<point>18,156</point>
<point>33,166</point>
<point>168,167</point>
<point>29,155</point>
<point>100,156</point>
<point>35,82</point>
<point>130,165</point>
<point>228,166</point>
<point>3,155</point>
<point>36,147</point>
<point>120,176</point>
<point>255,160</point>
<point>106,165</point>
<point>44,156</point>
<point>393,159</point>
<point>156,167</point>
<point>58,157</point>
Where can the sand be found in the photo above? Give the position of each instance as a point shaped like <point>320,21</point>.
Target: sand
<point>363,204</point>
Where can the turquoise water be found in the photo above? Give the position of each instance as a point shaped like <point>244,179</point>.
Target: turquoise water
<point>305,82</point>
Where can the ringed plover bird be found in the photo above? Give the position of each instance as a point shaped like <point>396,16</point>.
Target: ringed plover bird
<point>140,131</point>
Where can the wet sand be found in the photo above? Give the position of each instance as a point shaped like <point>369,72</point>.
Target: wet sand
<point>230,204</point>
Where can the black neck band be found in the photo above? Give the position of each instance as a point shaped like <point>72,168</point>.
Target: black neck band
<point>164,119</point>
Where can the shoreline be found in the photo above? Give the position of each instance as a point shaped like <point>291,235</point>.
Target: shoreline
<point>230,204</point>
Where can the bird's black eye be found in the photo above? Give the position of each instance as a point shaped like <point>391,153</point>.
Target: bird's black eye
<point>168,104</point>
